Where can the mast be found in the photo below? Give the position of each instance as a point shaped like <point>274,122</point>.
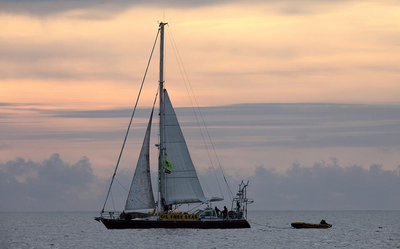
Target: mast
<point>161,173</point>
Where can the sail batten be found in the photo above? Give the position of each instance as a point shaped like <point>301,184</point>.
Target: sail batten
<point>181,183</point>
<point>141,193</point>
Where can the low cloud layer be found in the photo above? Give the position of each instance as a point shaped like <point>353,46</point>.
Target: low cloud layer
<point>49,185</point>
<point>308,125</point>
<point>46,7</point>
<point>325,186</point>
<point>56,185</point>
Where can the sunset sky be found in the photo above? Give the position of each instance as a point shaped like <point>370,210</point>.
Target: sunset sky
<point>280,83</point>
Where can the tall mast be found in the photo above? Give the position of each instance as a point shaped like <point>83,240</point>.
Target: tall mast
<point>161,173</point>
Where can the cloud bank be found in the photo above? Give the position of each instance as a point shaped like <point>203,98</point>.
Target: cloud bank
<point>49,185</point>
<point>311,125</point>
<point>46,7</point>
<point>55,185</point>
<point>325,186</point>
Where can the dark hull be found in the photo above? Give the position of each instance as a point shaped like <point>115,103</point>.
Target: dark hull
<point>310,225</point>
<point>193,224</point>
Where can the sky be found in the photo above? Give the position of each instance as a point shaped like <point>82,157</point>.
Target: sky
<point>293,94</point>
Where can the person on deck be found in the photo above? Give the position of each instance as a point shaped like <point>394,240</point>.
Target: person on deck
<point>225,212</point>
<point>217,211</point>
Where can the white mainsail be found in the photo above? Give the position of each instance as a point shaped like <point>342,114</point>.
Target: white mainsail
<point>182,184</point>
<point>141,193</point>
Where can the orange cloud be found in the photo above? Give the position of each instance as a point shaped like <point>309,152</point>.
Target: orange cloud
<point>232,53</point>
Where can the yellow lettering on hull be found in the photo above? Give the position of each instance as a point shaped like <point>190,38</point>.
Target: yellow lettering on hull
<point>179,216</point>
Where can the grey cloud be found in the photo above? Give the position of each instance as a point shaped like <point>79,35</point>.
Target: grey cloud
<point>9,104</point>
<point>24,105</point>
<point>296,125</point>
<point>114,113</point>
<point>44,8</point>
<point>331,111</point>
<point>307,125</point>
<point>66,135</point>
<point>47,7</point>
<point>50,185</point>
<point>56,185</point>
<point>5,147</point>
<point>325,186</point>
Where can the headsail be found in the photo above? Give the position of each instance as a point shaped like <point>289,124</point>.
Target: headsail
<point>141,193</point>
<point>181,185</point>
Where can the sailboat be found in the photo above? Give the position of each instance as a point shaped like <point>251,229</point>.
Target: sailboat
<point>178,182</point>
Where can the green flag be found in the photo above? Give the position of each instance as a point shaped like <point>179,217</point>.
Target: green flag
<point>168,166</point>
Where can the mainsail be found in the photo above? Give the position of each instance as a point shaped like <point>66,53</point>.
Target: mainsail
<point>181,185</point>
<point>141,193</point>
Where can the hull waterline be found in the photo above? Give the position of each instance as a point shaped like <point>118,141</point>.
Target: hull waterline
<point>194,224</point>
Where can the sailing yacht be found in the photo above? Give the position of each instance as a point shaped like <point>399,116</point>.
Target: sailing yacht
<point>178,182</point>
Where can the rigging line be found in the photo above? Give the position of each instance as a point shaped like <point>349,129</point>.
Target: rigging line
<point>179,62</point>
<point>130,122</point>
<point>256,223</point>
<point>194,97</point>
<point>112,199</point>
<point>204,182</point>
<point>206,185</point>
<point>205,126</point>
<point>209,137</point>
<point>180,69</point>
<point>195,207</point>
<point>121,185</point>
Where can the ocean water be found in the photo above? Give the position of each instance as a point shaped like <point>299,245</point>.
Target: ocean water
<point>270,229</point>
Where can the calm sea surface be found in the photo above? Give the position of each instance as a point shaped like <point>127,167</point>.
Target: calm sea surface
<point>270,229</point>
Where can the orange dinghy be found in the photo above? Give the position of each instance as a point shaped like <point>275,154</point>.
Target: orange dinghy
<point>323,224</point>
